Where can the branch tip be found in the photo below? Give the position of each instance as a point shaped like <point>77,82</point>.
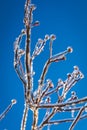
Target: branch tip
<point>13,101</point>
<point>70,49</point>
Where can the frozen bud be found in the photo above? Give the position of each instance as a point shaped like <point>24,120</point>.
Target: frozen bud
<point>21,51</point>
<point>13,101</point>
<point>70,49</point>
<point>33,7</point>
<point>76,68</point>
<point>48,100</point>
<point>37,23</point>
<point>46,37</point>
<point>53,37</point>
<point>23,31</point>
<point>40,40</point>
<point>60,82</point>
<point>73,93</point>
<point>68,75</point>
<point>51,85</point>
<point>81,75</point>
<point>48,81</point>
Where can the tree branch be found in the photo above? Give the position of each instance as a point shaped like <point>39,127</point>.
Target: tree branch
<point>55,58</point>
<point>77,117</point>
<point>7,109</point>
<point>24,118</point>
<point>18,53</point>
<point>65,120</point>
<point>59,105</point>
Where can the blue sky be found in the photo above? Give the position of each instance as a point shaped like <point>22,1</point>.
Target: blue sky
<point>68,21</point>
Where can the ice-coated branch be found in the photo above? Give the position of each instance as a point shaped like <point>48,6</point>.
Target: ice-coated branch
<point>62,107</point>
<point>13,101</point>
<point>54,58</point>
<point>77,117</point>
<point>59,105</point>
<point>41,98</point>
<point>24,118</point>
<point>57,122</point>
<point>39,46</point>
<point>18,53</point>
<point>27,22</point>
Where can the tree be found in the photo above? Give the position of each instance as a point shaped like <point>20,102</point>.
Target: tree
<point>41,98</point>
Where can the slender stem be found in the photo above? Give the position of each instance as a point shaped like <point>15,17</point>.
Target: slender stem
<point>59,105</point>
<point>46,120</point>
<point>77,118</point>
<point>28,64</point>
<point>58,57</point>
<point>24,118</point>
<point>7,109</point>
<point>45,69</point>
<point>35,119</point>
<point>56,122</point>
<point>51,42</point>
<point>17,62</point>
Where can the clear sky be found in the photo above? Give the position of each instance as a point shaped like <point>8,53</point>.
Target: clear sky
<point>67,19</point>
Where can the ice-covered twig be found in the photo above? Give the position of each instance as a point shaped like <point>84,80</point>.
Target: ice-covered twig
<point>57,122</point>
<point>13,101</point>
<point>63,107</point>
<point>55,58</point>
<point>28,18</point>
<point>40,46</point>
<point>77,117</point>
<point>24,118</point>
<point>59,105</point>
<point>18,53</point>
<point>52,38</point>
<point>72,79</point>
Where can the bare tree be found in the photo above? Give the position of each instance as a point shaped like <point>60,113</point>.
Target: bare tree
<point>41,98</point>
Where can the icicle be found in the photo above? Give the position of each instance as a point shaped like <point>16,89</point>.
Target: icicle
<point>72,113</point>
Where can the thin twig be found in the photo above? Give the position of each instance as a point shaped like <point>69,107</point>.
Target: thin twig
<point>24,118</point>
<point>7,109</point>
<point>55,58</point>
<point>59,105</point>
<point>77,117</point>
<point>28,62</point>
<point>65,120</point>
